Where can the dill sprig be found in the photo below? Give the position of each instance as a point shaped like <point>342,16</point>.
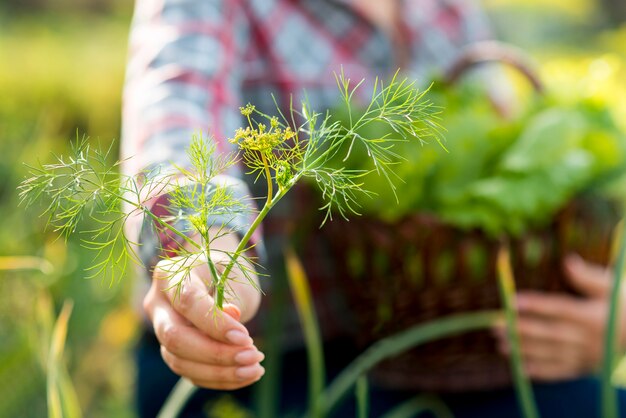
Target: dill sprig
<point>282,151</point>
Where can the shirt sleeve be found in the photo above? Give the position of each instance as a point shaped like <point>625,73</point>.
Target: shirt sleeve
<point>183,78</point>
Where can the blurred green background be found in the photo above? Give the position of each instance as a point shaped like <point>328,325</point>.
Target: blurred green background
<point>61,74</point>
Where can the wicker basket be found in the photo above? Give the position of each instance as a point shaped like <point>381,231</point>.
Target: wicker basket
<point>398,275</point>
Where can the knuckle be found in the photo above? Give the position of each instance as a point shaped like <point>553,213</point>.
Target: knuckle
<point>563,332</point>
<point>147,302</point>
<point>160,270</point>
<point>175,366</point>
<point>223,375</point>
<point>173,362</point>
<point>170,336</point>
<point>150,300</point>
<point>525,328</point>
<point>186,298</point>
<point>222,357</point>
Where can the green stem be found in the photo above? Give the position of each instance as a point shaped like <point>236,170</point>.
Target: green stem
<point>268,176</point>
<point>215,276</point>
<point>523,387</point>
<point>184,389</point>
<point>610,407</point>
<point>362,397</point>
<point>243,245</point>
<point>416,406</point>
<point>177,399</point>
<point>298,283</point>
<point>396,344</point>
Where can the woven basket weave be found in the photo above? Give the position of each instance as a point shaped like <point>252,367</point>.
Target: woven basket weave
<point>397,276</point>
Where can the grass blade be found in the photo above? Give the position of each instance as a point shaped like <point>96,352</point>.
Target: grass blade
<point>610,407</point>
<point>523,387</point>
<point>397,344</point>
<point>299,285</point>
<point>362,397</point>
<point>62,399</point>
<point>26,263</point>
<point>418,405</point>
<point>178,397</point>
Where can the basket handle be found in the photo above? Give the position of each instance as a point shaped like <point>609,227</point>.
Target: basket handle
<point>493,51</point>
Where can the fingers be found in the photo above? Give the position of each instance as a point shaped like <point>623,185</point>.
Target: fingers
<point>550,306</point>
<point>550,350</point>
<point>233,311</point>
<point>213,376</point>
<point>189,343</point>
<point>590,279</point>
<point>540,350</point>
<point>206,362</point>
<point>559,332</point>
<point>191,299</point>
<point>211,349</point>
<point>551,371</point>
<point>547,362</point>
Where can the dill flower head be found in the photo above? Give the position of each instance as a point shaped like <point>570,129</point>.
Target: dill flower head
<point>247,110</point>
<point>260,138</point>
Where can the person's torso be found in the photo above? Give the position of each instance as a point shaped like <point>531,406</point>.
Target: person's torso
<point>298,46</point>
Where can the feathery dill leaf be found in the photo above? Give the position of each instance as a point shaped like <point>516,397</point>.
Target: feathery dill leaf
<point>281,151</point>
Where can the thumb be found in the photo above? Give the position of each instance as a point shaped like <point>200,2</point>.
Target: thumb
<point>590,279</point>
<point>233,311</point>
<point>165,270</point>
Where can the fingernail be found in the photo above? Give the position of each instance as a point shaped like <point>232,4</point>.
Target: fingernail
<point>238,337</point>
<point>248,357</point>
<point>249,372</point>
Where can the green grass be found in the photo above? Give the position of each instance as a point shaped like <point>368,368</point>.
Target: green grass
<point>59,74</point>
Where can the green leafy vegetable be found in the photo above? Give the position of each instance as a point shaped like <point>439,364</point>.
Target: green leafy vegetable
<point>501,176</point>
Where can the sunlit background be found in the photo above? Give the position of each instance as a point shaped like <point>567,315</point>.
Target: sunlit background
<point>61,74</point>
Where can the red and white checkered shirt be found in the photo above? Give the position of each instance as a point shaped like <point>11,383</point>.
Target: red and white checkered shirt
<point>192,63</point>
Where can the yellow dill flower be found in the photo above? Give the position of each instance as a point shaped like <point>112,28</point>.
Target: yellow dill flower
<point>261,139</point>
<point>247,110</point>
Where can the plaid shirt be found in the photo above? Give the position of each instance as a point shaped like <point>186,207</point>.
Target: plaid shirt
<point>192,64</point>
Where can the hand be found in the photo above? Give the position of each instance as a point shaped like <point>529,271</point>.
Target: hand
<point>212,349</point>
<point>562,336</point>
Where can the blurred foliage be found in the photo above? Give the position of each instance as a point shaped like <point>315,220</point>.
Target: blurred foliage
<point>60,75</point>
<point>513,174</point>
<point>72,6</point>
<point>535,23</point>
